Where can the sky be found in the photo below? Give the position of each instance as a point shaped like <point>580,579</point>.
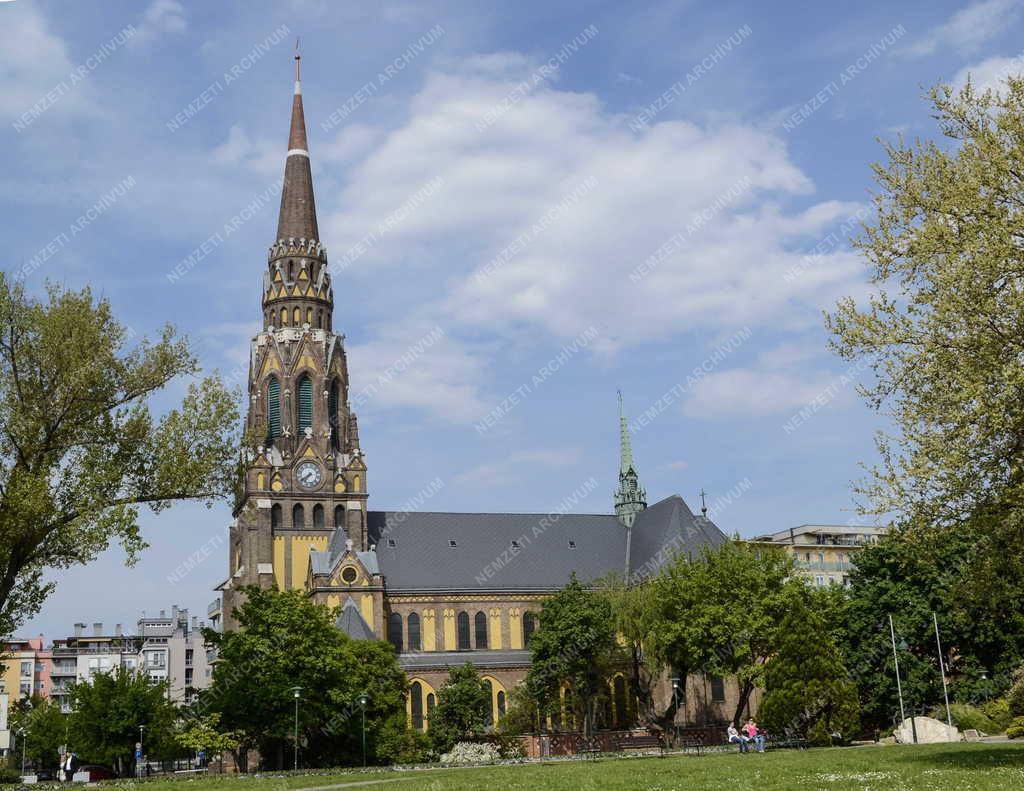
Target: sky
<point>528,206</point>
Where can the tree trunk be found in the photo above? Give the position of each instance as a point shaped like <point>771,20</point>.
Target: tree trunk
<point>745,689</point>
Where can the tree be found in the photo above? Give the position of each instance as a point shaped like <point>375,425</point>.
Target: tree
<point>203,734</point>
<point>719,614</point>
<point>575,647</point>
<point>462,710</point>
<point>910,575</point>
<point>107,711</point>
<point>807,687</point>
<point>633,610</point>
<point>46,730</point>
<point>80,451</point>
<point>286,640</point>
<point>943,330</point>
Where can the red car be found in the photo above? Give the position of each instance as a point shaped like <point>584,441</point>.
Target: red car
<point>97,772</point>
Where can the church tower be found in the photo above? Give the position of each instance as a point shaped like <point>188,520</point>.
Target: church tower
<point>308,474</point>
<point>630,499</point>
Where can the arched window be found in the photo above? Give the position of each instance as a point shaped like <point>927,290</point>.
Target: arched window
<point>501,704</point>
<point>275,516</point>
<point>463,623</point>
<point>480,627</point>
<point>333,413</point>
<point>319,319</point>
<point>298,516</point>
<point>309,316</point>
<point>529,627</point>
<point>416,704</point>
<point>273,410</point>
<point>318,516</point>
<point>490,705</point>
<point>431,701</point>
<point>290,263</point>
<point>339,516</point>
<point>297,316</point>
<point>413,625</point>
<point>395,631</point>
<point>284,317</point>
<point>305,403</point>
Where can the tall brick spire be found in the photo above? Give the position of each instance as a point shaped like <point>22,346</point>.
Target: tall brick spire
<point>297,219</point>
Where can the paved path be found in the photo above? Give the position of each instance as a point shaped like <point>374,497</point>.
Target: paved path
<point>356,784</point>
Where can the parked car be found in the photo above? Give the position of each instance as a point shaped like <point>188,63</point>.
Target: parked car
<point>97,772</point>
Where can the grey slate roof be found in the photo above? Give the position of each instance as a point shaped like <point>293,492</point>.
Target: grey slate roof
<point>442,659</point>
<point>484,557</point>
<point>351,622</point>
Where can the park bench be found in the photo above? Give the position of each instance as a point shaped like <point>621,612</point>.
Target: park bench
<point>785,741</point>
<point>589,749</point>
<point>640,743</point>
<point>695,745</point>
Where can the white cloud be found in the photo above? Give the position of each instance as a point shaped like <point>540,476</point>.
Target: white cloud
<point>502,179</point>
<point>990,73</point>
<point>160,18</point>
<point>258,156</point>
<point>35,62</point>
<point>782,380</point>
<point>969,28</point>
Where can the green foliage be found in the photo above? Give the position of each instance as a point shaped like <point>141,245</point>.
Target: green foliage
<point>522,715</point>
<point>575,646</point>
<point>967,717</point>
<point>81,451</point>
<point>719,614</point>
<point>912,575</point>
<point>1015,696</point>
<point>463,706</point>
<point>943,334</point>
<point>286,640</point>
<point>998,711</point>
<point>400,744</point>
<point>808,689</point>
<point>633,608</point>
<point>106,714</point>
<point>10,775</point>
<point>203,734</point>
<point>46,728</point>
<point>1016,729</point>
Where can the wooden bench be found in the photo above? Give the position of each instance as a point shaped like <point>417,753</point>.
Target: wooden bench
<point>640,743</point>
<point>697,745</point>
<point>589,750</point>
<point>786,742</point>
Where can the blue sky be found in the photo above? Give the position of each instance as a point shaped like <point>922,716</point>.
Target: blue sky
<point>652,195</point>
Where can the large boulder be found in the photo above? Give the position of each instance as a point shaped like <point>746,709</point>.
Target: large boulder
<point>929,731</point>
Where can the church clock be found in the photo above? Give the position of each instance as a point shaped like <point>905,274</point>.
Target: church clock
<point>309,474</point>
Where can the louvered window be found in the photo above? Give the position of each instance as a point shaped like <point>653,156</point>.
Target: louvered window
<point>273,411</point>
<point>332,408</point>
<point>305,403</point>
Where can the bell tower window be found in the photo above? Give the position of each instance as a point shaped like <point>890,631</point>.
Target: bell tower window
<point>273,410</point>
<point>305,403</point>
<point>333,405</point>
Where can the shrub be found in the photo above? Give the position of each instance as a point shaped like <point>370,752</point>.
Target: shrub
<point>998,711</point>
<point>1016,729</point>
<point>472,753</point>
<point>8,775</point>
<point>967,717</point>
<point>397,743</point>
<point>1015,697</point>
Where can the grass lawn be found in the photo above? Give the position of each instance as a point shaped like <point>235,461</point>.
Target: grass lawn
<point>956,767</point>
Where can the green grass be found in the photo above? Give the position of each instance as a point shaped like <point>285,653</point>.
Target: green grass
<point>958,767</point>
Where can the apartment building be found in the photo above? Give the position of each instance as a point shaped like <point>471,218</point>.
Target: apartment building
<point>824,553</point>
<point>26,668</point>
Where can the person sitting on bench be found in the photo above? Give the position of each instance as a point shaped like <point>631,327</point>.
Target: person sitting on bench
<point>735,737</point>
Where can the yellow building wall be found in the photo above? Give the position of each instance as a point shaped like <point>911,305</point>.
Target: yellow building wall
<point>366,608</point>
<point>515,628</point>
<point>300,556</point>
<point>495,628</point>
<point>279,561</point>
<point>449,630</point>
<point>428,633</point>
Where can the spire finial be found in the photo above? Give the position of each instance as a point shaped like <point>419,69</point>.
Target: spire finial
<point>630,498</point>
<point>703,504</point>
<point>298,68</point>
<point>625,448</point>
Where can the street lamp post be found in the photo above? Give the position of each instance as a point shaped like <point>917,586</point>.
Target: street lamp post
<point>296,691</point>
<point>984,685</point>
<point>363,700</point>
<point>675,710</point>
<point>899,684</point>
<point>138,752</point>
<point>24,744</point>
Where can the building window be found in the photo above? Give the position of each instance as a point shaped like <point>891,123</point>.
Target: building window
<point>339,516</point>
<point>431,701</point>
<point>480,627</point>
<point>501,704</point>
<point>416,701</point>
<point>395,631</point>
<point>297,316</point>
<point>298,516</point>
<point>621,709</point>
<point>318,516</point>
<point>275,516</point>
<point>463,623</point>
<point>305,403</point>
<point>334,417</point>
<point>490,709</point>
<point>717,689</point>
<point>273,410</point>
<point>188,677</point>
<point>26,670</point>
<point>189,654</point>
<point>529,627</point>
<point>414,632</point>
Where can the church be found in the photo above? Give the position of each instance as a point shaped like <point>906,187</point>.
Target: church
<point>443,588</point>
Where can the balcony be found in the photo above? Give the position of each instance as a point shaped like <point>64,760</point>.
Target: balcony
<point>823,565</point>
<point>213,608</point>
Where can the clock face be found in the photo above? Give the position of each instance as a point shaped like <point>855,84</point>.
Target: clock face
<point>308,474</point>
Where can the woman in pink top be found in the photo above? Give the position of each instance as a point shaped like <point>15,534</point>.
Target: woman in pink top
<point>751,732</point>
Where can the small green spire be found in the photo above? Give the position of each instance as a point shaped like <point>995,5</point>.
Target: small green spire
<point>630,499</point>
